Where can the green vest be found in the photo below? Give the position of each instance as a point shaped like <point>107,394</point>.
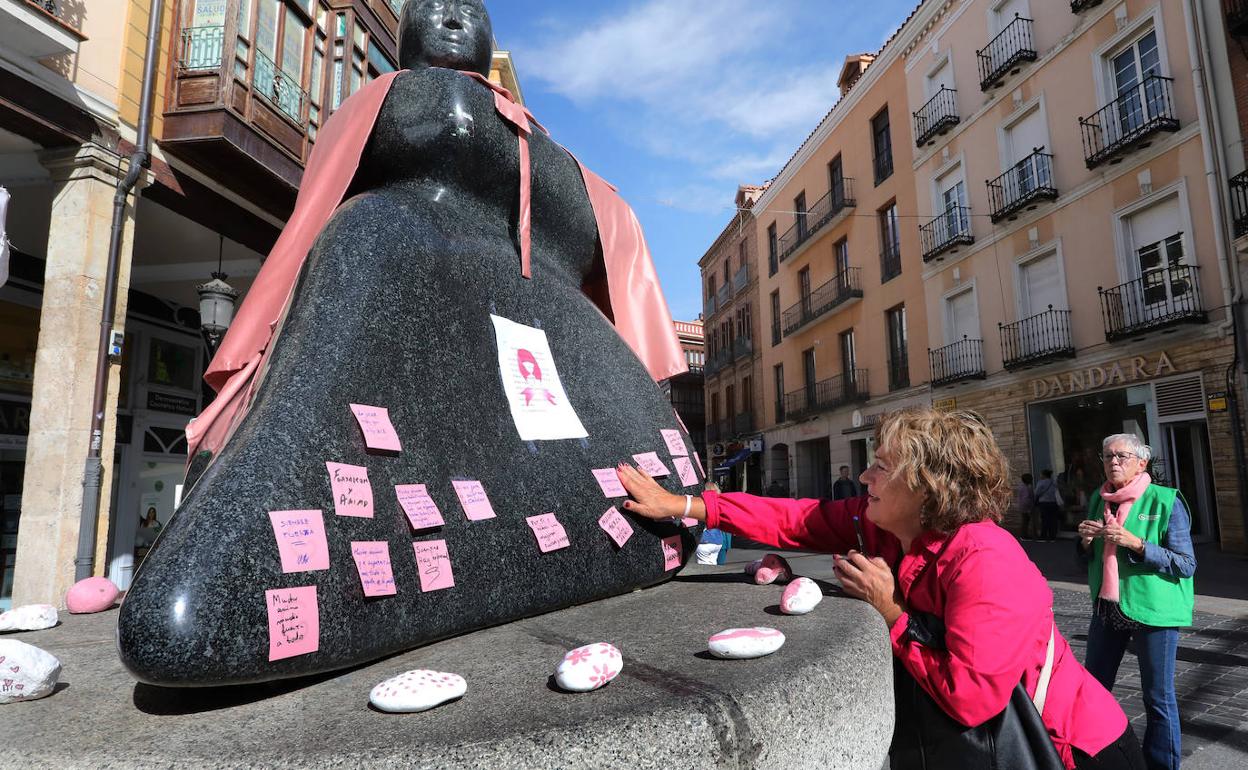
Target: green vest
<point>1144,595</point>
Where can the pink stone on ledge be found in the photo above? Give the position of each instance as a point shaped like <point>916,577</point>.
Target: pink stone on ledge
<point>94,594</point>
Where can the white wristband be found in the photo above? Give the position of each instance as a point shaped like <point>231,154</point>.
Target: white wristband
<point>688,506</point>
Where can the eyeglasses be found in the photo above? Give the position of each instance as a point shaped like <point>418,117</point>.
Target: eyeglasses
<point>1121,457</point>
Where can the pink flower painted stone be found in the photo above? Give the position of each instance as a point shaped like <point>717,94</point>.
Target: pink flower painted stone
<point>741,643</point>
<point>30,617</point>
<point>773,568</point>
<point>418,690</point>
<point>26,672</point>
<point>800,597</point>
<point>589,667</point>
<point>94,594</point>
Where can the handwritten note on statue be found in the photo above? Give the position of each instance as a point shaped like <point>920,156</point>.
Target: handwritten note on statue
<point>549,532</point>
<point>420,508</point>
<point>372,561</point>
<point>675,444</point>
<point>300,540</point>
<point>472,497</point>
<point>539,406</point>
<point>294,622</point>
<point>684,469</point>
<point>609,481</point>
<point>651,464</point>
<point>671,552</point>
<point>433,562</point>
<point>616,526</point>
<point>376,426</point>
<point>353,495</point>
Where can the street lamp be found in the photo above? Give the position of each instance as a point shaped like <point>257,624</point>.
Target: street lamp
<point>216,305</point>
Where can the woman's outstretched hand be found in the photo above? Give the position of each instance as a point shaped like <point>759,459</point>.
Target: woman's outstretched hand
<point>651,500</point>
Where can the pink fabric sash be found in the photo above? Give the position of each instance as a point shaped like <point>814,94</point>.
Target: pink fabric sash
<point>1123,498</point>
<point>631,298</point>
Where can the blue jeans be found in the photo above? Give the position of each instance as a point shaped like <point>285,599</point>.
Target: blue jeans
<point>1156,649</point>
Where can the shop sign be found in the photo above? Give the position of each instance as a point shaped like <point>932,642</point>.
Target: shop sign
<point>163,402</point>
<point>863,422</point>
<point>1118,373</point>
<point>1217,402</point>
<point>945,404</point>
<point>14,418</point>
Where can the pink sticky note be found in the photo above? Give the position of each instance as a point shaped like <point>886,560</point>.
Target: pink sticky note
<point>651,464</point>
<point>609,480</point>
<point>684,469</point>
<point>353,495</point>
<point>420,508</point>
<point>294,622</point>
<point>472,498</point>
<point>372,561</point>
<point>549,532</point>
<point>671,552</point>
<point>300,540</point>
<point>433,562</point>
<point>689,522</point>
<point>698,460</point>
<point>378,430</point>
<point>675,444</point>
<point>615,525</point>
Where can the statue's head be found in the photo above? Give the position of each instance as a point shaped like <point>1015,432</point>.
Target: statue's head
<point>455,34</point>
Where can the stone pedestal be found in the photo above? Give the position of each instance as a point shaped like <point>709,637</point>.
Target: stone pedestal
<point>84,180</point>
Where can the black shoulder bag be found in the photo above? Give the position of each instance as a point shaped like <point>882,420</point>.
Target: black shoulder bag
<point>926,738</point>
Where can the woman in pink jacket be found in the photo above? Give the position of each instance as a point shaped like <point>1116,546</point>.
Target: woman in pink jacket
<point>926,542</point>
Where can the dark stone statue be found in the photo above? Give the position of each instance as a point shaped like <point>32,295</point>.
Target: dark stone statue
<point>393,309</point>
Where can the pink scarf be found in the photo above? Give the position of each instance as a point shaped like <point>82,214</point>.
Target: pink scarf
<point>1123,498</point>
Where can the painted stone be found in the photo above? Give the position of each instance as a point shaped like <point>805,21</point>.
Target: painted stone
<point>800,597</point>
<point>742,643</point>
<point>752,567</point>
<point>31,617</point>
<point>589,667</point>
<point>772,569</point>
<point>26,672</point>
<point>418,690</point>
<point>94,594</point>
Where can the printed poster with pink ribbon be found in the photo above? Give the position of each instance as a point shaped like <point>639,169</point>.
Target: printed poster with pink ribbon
<point>539,406</point>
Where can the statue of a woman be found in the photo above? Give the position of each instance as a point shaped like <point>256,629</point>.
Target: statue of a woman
<point>463,219</point>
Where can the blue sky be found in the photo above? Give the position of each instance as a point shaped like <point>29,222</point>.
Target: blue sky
<point>677,102</point>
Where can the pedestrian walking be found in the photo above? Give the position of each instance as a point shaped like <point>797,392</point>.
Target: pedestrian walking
<point>844,487</point>
<point>1025,504</point>
<point>1049,504</point>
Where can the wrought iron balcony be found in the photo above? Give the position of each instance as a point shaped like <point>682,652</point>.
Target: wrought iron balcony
<point>711,306</point>
<point>719,361</point>
<point>1129,122</point>
<point>1029,181</point>
<point>1035,340</point>
<point>741,279</point>
<point>826,395</point>
<point>279,89</point>
<point>742,347</point>
<point>898,370</point>
<point>743,423</point>
<point>1079,6</point>
<point>37,28</point>
<point>883,165</point>
<point>937,116</point>
<point>946,232</point>
<point>890,262</point>
<point>775,332</point>
<point>1236,17</point>
<point>1239,202</point>
<point>818,216</point>
<point>202,49</point>
<point>1005,53</point>
<point>958,361</point>
<point>846,285</point>
<point>1160,299</point>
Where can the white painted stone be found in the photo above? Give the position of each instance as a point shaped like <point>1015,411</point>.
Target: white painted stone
<point>26,672</point>
<point>418,690</point>
<point>800,597</point>
<point>740,643</point>
<point>30,617</point>
<point>589,667</point>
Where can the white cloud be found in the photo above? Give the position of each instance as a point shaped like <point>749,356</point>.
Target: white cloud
<point>699,198</point>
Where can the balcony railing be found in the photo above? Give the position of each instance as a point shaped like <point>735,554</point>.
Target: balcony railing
<point>719,360</point>
<point>1161,298</point>
<point>742,347</point>
<point>1239,202</point>
<point>775,332</point>
<point>279,89</point>
<point>937,116</point>
<point>1029,181</point>
<point>1079,6</point>
<point>1236,17</point>
<point>827,394</point>
<point>1004,53</point>
<point>1129,121</point>
<point>202,49</point>
<point>724,294</point>
<point>741,279</point>
<point>846,285</point>
<point>817,217</point>
<point>743,423</point>
<point>711,306</point>
<point>890,262</point>
<point>1040,338</point>
<point>883,165</point>
<point>946,232</point>
<point>961,360</point>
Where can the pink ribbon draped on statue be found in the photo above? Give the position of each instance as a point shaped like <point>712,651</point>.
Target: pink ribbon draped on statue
<point>631,299</point>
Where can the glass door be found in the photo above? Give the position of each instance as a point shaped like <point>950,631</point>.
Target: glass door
<point>1137,103</point>
<point>1188,468</point>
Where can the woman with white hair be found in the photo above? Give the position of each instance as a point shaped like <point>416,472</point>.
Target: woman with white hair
<point>1138,535</point>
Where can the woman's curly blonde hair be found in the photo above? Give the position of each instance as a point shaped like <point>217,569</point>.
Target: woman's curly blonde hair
<point>950,457</point>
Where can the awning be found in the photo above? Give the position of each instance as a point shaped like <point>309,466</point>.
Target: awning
<point>731,461</point>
